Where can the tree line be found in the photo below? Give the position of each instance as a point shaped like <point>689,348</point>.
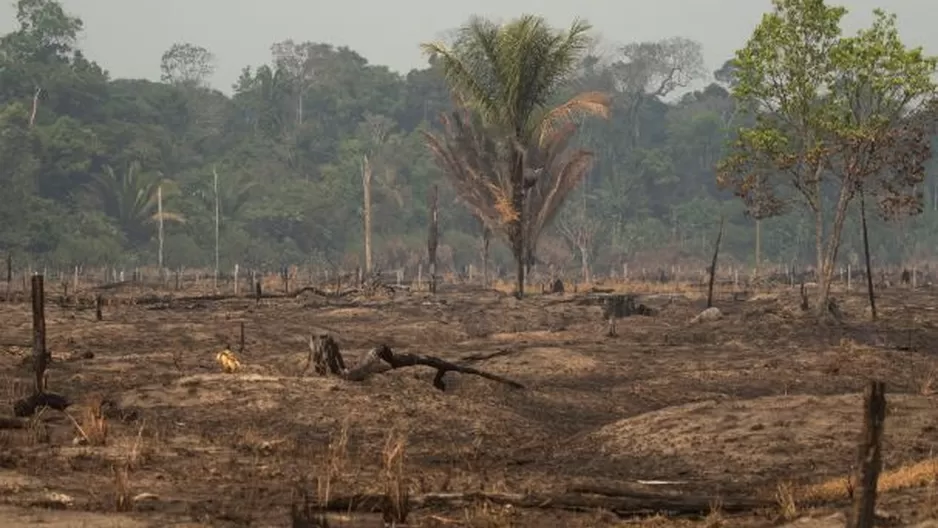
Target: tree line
<point>547,153</point>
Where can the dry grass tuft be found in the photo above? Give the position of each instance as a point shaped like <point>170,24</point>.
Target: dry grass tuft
<point>916,475</point>
<point>122,500</point>
<point>787,503</point>
<point>93,426</point>
<point>335,463</point>
<point>396,492</point>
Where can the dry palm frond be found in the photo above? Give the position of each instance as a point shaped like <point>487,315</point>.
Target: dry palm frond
<point>562,170</point>
<point>585,104</point>
<point>228,361</point>
<point>475,164</point>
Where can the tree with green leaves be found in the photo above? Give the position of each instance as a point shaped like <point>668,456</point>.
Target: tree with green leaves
<point>507,74</point>
<point>131,199</point>
<point>828,109</point>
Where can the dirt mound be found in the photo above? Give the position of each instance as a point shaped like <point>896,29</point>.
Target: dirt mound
<point>769,434</point>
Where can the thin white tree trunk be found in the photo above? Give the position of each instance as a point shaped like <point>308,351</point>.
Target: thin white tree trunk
<point>215,186</point>
<point>159,214</point>
<point>366,188</point>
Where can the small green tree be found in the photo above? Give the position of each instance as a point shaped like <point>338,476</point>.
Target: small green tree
<point>829,111</point>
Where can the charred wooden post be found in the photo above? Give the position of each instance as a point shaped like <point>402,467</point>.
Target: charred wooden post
<point>41,356</point>
<point>257,292</point>
<point>713,263</point>
<point>870,456</point>
<point>433,238</point>
<point>285,275</point>
<point>9,275</point>
<point>557,287</point>
<point>97,307</point>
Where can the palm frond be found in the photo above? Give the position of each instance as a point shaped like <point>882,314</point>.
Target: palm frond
<point>473,161</point>
<point>596,104</point>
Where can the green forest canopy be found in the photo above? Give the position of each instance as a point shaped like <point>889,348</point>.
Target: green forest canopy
<point>83,154</point>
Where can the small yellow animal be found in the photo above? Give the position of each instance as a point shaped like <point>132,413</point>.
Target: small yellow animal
<point>228,361</point>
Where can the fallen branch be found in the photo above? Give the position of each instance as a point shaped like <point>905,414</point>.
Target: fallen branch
<point>13,423</point>
<point>491,355</point>
<point>624,506</point>
<point>28,406</point>
<point>327,359</point>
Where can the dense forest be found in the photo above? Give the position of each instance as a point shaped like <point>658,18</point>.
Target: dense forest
<point>90,163</point>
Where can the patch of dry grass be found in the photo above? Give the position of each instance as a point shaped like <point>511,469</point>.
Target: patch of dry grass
<point>919,474</point>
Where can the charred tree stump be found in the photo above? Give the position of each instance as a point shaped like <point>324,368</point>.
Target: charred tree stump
<point>557,287</point>
<point>616,307</point>
<point>258,292</point>
<point>870,456</point>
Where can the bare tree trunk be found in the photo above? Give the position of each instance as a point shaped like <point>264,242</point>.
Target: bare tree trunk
<point>713,263</point>
<point>159,213</point>
<point>866,256</point>
<point>433,236</point>
<point>215,186</point>
<point>366,187</point>
<point>486,238</point>
<point>35,109</point>
<point>758,246</point>
<point>585,263</point>
<point>829,255</point>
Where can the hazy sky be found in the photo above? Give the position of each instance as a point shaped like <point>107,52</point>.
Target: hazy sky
<point>128,37</point>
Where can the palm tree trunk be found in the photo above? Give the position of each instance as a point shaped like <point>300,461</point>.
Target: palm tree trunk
<point>517,230</point>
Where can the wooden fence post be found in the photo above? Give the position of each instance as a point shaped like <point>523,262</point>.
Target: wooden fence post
<point>870,456</point>
<point>40,354</point>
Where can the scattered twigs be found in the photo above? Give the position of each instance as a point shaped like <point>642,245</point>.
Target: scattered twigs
<point>625,505</point>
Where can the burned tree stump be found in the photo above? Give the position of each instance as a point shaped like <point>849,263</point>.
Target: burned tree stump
<point>556,287</point>
<point>616,307</point>
<point>325,356</point>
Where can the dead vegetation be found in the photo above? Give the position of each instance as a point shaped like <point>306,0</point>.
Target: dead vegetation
<point>548,418</point>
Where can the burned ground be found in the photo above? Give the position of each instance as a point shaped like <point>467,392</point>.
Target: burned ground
<point>760,401</point>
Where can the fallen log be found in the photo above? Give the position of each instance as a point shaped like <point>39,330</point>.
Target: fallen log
<point>327,359</point>
<point>13,423</point>
<point>29,405</point>
<point>624,506</point>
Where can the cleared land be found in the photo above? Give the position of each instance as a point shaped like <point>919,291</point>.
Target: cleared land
<point>759,411</point>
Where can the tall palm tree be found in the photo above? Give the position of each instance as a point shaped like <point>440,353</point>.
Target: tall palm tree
<point>130,198</point>
<point>507,74</point>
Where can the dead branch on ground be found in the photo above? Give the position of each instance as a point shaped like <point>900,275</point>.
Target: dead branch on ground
<point>327,359</point>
